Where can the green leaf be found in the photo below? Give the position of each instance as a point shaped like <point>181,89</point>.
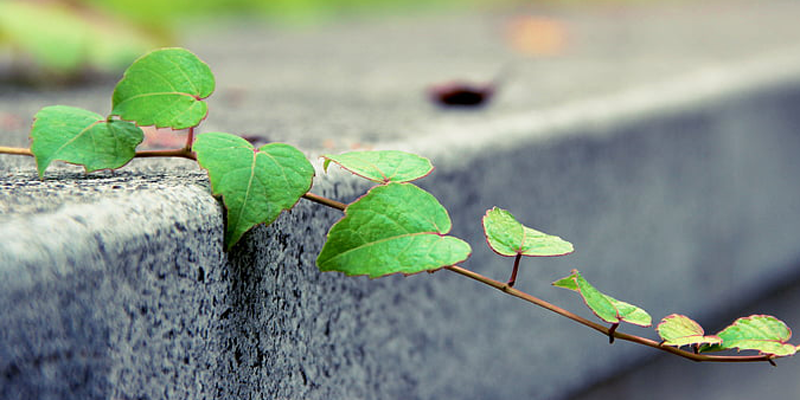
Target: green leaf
<point>605,307</point>
<point>82,137</point>
<point>507,237</point>
<point>164,88</point>
<point>255,185</point>
<point>394,228</point>
<point>382,166</point>
<point>680,330</point>
<point>764,333</point>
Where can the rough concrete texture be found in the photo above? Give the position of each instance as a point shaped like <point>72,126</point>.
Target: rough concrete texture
<point>670,162</point>
<point>100,303</point>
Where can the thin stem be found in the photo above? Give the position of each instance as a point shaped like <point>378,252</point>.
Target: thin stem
<point>514,271</point>
<point>600,328</point>
<point>16,151</point>
<point>185,152</point>
<point>613,329</point>
<point>325,201</point>
<point>189,139</point>
<point>182,152</point>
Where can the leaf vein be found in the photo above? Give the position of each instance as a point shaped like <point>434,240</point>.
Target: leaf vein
<point>379,241</point>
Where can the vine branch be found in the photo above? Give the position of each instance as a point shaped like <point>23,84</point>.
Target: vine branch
<point>325,201</point>
<point>183,152</point>
<point>505,288</point>
<point>610,332</point>
<point>16,151</point>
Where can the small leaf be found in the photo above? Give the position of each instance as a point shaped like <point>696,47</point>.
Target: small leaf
<point>631,314</point>
<point>255,185</point>
<point>82,137</point>
<point>394,228</point>
<point>382,165</point>
<point>764,333</point>
<point>680,330</point>
<point>164,88</point>
<point>605,307</point>
<point>507,237</point>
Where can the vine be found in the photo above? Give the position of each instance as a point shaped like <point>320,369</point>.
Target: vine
<point>394,228</point>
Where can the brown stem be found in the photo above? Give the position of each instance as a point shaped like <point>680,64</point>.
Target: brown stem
<point>183,152</point>
<point>16,151</point>
<point>325,201</point>
<point>503,287</point>
<point>189,140</point>
<point>514,271</point>
<point>611,331</point>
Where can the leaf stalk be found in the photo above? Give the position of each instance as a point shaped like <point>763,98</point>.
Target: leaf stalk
<point>513,279</point>
<point>189,140</point>
<point>182,152</point>
<point>325,201</point>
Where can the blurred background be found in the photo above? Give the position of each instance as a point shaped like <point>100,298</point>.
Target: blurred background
<point>66,40</point>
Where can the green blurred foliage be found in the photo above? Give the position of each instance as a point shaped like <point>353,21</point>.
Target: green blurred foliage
<point>67,37</point>
<point>61,39</point>
<point>157,12</point>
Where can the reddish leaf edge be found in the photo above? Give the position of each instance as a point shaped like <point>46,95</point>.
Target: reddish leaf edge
<point>519,252</point>
<point>710,349</point>
<point>702,335</point>
<point>385,180</point>
<point>221,197</point>
<point>85,168</point>
<point>198,98</point>
<point>404,274</point>
<point>609,298</point>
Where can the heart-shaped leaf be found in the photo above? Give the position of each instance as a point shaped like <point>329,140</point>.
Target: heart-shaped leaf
<point>255,185</point>
<point>605,307</point>
<point>394,228</point>
<point>680,330</point>
<point>164,88</point>
<point>382,165</point>
<point>764,333</point>
<point>507,237</point>
<point>82,137</point>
